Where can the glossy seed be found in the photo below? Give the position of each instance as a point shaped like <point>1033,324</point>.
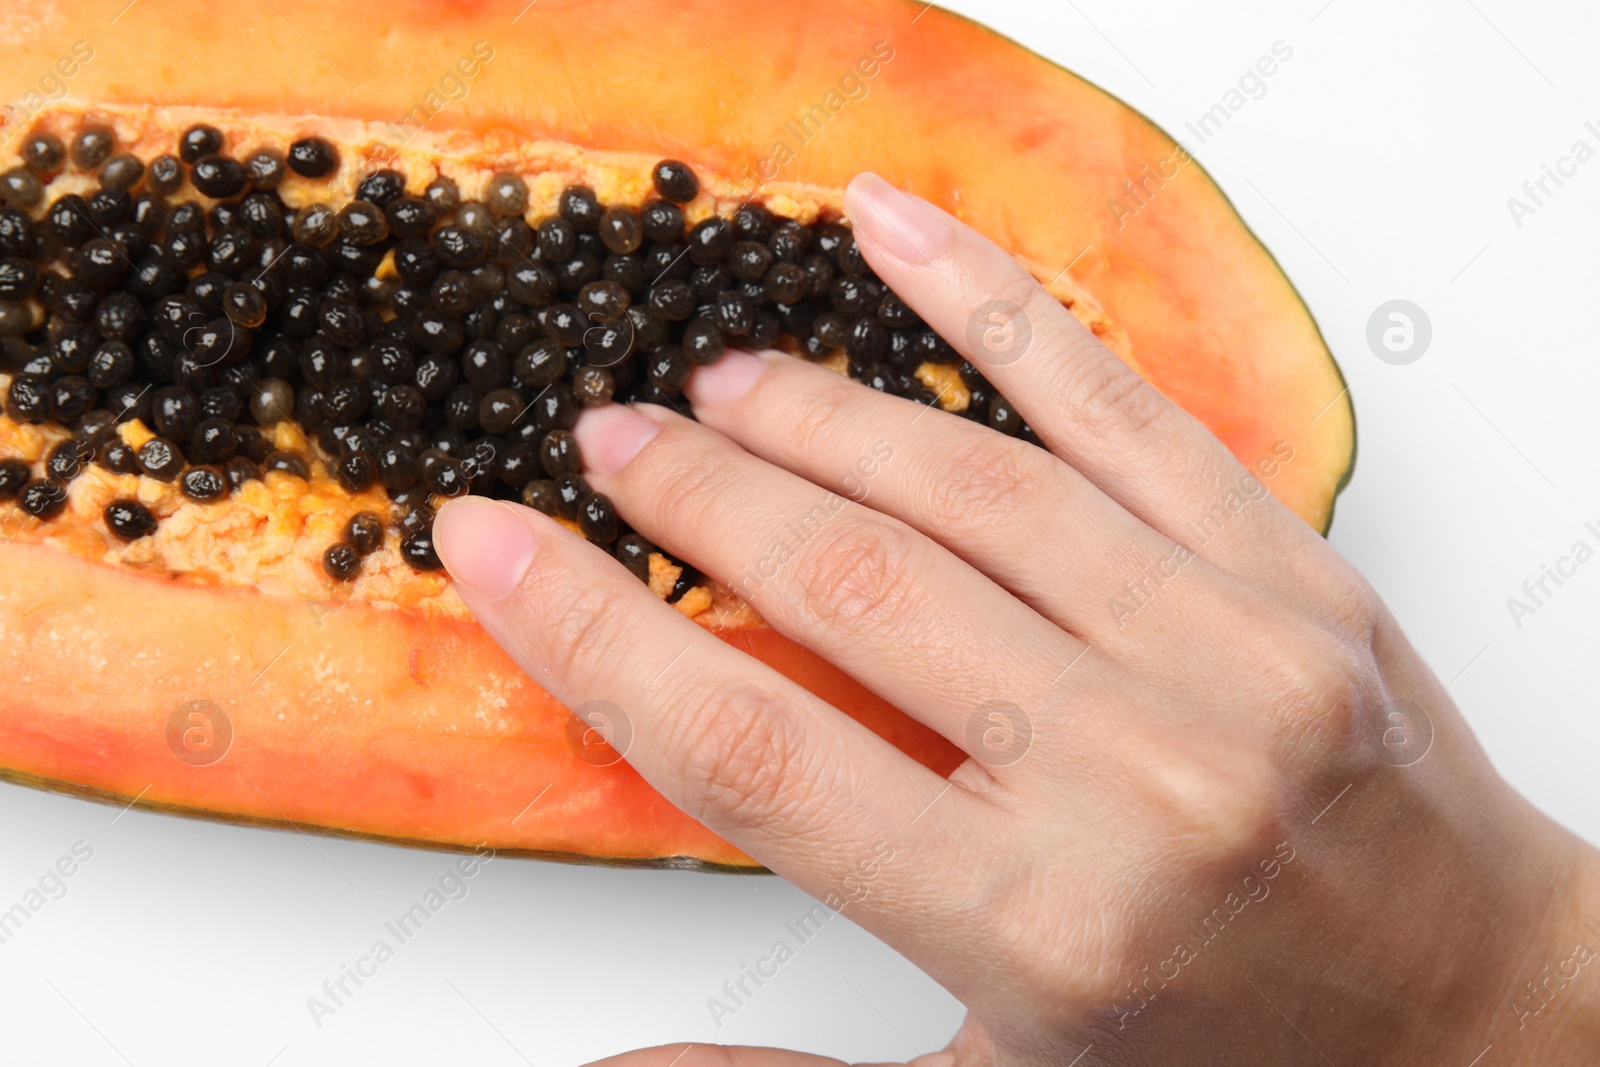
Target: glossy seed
<point>753,222</point>
<point>261,217</point>
<point>597,518</point>
<point>460,247</point>
<point>447,477</point>
<point>500,410</point>
<point>594,386</point>
<point>217,176</point>
<point>633,552</point>
<point>785,283</point>
<point>197,141</point>
<point>579,206</point>
<point>558,453</point>
<point>516,464</point>
<point>442,194</point>
<point>122,171</point>
<point>398,468</point>
<point>266,169</point>
<point>313,157</point>
<point>14,474</point>
<point>244,305</point>
<point>92,146</point>
<point>675,181</point>
<point>734,313</point>
<point>621,230</point>
<point>415,518</point>
<point>531,283</point>
<point>381,186</point>
<point>43,153</point>
<point>507,194</point>
<point>749,260</point>
<point>203,484</point>
<point>21,187</point>
<point>409,216</point>
<point>213,441</point>
<point>1003,416</point>
<point>540,364</point>
<point>271,401</point>
<point>175,412</point>
<point>160,459</point>
<point>710,241</point>
<point>476,216</point>
<point>605,343</point>
<point>42,499</point>
<point>129,519</point>
<point>286,463</point>
<point>356,471</point>
<point>703,342</point>
<point>166,174</point>
<point>364,532</point>
<point>363,222</point>
<point>242,469</point>
<point>558,240</point>
<point>315,224</point>
<point>668,369</point>
<point>19,278</point>
<point>417,550</point>
<point>341,562</point>
<point>662,222</point>
<point>540,495</point>
<point>65,461</point>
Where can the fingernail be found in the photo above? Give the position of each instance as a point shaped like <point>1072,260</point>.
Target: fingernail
<point>725,381</point>
<point>903,225</point>
<point>485,545</point>
<point>609,436</point>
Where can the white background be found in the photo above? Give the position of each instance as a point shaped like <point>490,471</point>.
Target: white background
<point>1377,166</point>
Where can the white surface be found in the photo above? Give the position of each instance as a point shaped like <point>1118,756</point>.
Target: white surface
<point>1376,166</point>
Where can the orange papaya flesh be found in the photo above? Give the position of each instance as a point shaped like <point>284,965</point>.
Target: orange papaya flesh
<point>218,667</point>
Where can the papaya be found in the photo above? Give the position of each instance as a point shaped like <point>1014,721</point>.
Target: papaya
<point>268,297</point>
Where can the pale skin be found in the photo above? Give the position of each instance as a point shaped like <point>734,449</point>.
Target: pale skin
<point>1188,838</point>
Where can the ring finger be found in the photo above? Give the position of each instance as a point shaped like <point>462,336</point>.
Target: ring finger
<point>894,609</point>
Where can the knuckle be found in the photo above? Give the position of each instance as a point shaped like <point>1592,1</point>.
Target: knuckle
<point>1315,689</point>
<point>1022,290</point>
<point>986,481</point>
<point>687,485</point>
<point>743,757</point>
<point>856,573</point>
<point>580,628</point>
<point>812,428</point>
<point>1223,801</point>
<point>1245,815</point>
<point>1089,950</point>
<point>1328,699</point>
<point>1110,394</point>
<point>1007,322</point>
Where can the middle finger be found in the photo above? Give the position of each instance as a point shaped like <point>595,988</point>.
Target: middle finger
<point>1014,511</point>
<point>897,611</point>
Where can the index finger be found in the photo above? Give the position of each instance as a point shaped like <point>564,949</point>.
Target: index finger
<point>1084,402</point>
<point>795,782</point>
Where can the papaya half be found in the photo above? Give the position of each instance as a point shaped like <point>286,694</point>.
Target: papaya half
<point>266,298</point>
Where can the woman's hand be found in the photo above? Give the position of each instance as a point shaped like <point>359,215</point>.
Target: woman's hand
<point>1216,810</point>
